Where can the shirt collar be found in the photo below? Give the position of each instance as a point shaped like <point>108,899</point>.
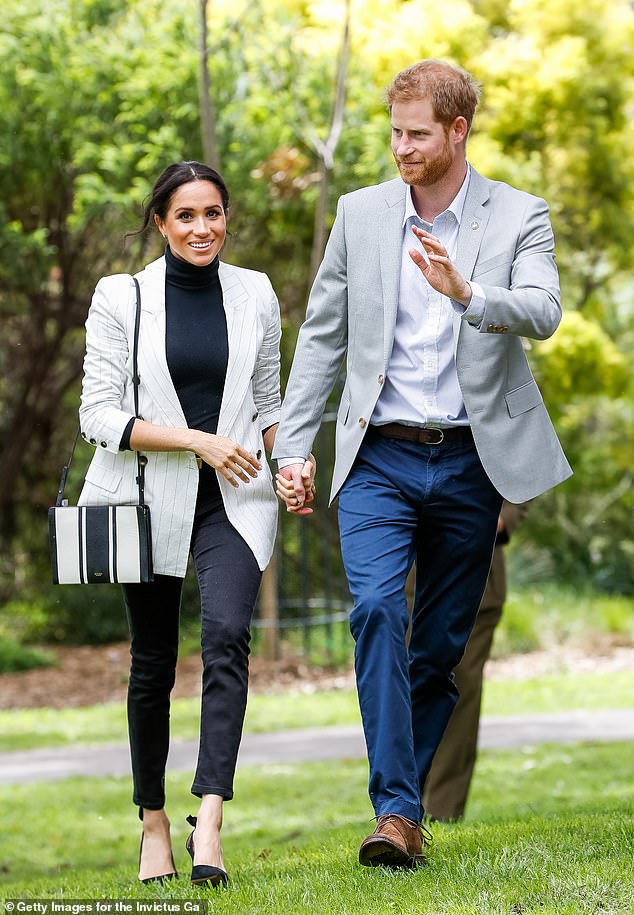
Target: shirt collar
<point>456,206</point>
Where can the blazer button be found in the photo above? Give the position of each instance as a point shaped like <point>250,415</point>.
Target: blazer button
<point>104,444</point>
<point>93,441</point>
<point>254,417</point>
<point>362,422</point>
<point>380,379</point>
<point>258,453</point>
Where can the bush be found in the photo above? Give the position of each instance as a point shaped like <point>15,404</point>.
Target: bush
<point>82,614</point>
<point>86,615</point>
<point>15,657</point>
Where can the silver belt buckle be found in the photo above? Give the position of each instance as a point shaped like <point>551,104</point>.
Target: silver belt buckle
<point>440,433</point>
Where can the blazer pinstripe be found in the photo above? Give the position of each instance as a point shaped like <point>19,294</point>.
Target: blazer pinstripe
<point>250,404</point>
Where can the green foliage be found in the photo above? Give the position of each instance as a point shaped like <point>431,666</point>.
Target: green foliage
<point>69,613</point>
<point>548,614</point>
<point>581,361</point>
<point>16,657</point>
<point>97,96</point>
<point>520,632</point>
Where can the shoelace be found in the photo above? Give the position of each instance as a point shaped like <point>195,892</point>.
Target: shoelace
<point>425,833</point>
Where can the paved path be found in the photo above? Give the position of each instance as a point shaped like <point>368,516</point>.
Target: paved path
<point>310,745</point>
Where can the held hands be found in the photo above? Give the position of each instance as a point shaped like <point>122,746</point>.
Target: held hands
<point>231,461</point>
<point>438,270</point>
<point>295,486</point>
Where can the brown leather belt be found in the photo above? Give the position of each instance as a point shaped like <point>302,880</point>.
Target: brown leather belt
<point>433,436</point>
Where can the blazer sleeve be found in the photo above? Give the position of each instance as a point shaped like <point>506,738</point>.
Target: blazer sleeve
<point>266,379</point>
<point>106,375</point>
<point>530,305</point>
<point>321,346</point>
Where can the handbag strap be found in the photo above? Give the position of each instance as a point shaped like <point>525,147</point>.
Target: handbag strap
<point>136,379</point>
<point>62,483</point>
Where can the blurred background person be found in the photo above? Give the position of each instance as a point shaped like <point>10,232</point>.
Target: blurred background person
<point>447,785</point>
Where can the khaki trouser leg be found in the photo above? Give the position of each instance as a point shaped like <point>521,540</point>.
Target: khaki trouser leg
<point>447,785</point>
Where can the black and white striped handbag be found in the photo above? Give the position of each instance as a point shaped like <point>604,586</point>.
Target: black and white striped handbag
<point>99,544</point>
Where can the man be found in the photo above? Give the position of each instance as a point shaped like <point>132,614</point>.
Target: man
<point>427,284</point>
<point>447,785</point>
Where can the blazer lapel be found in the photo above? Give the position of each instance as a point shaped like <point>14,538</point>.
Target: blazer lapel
<point>475,217</point>
<point>390,228</point>
<point>153,368</point>
<point>240,311</point>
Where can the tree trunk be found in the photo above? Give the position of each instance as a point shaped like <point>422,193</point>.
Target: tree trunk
<point>326,151</point>
<point>207,113</point>
<point>269,611</point>
<point>319,227</point>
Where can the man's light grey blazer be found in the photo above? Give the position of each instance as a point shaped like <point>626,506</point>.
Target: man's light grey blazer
<point>250,403</point>
<point>506,244</point>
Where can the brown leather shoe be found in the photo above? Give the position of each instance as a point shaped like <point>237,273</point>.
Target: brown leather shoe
<point>396,842</point>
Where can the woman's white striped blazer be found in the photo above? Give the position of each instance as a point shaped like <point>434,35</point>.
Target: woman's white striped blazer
<point>250,404</point>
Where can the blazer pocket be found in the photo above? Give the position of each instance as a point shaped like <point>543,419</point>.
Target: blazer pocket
<point>103,478</point>
<point>522,399</point>
<point>492,263</point>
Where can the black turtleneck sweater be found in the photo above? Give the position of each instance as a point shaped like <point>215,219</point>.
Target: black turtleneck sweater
<point>197,351</point>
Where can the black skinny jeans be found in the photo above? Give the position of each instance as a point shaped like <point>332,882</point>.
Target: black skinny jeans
<point>228,580</point>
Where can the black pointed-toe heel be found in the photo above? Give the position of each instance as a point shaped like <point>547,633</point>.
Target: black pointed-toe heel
<point>203,874</point>
<point>161,878</point>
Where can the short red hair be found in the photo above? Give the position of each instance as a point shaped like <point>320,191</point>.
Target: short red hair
<point>452,91</point>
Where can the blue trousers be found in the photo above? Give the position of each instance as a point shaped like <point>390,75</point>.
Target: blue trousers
<point>402,502</point>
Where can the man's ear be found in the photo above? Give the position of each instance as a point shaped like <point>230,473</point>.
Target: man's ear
<point>459,130</point>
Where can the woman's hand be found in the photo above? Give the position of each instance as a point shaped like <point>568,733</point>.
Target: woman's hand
<point>231,461</point>
<point>308,476</point>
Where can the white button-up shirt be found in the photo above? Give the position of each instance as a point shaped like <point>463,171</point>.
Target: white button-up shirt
<point>421,384</point>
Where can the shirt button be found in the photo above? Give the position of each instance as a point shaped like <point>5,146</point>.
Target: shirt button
<point>362,422</point>
<point>380,379</point>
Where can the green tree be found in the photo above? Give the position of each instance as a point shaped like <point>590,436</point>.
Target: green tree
<point>87,117</point>
<point>97,96</point>
<point>559,80</point>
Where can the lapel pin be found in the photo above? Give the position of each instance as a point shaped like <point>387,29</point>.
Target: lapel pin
<point>475,225</point>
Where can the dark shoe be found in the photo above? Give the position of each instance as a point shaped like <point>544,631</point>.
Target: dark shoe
<point>161,878</point>
<point>396,842</point>
<point>204,874</point>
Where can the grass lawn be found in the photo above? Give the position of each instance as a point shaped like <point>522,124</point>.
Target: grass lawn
<point>21,729</point>
<point>549,830</point>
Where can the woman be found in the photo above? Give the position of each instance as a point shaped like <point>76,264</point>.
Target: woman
<point>209,399</point>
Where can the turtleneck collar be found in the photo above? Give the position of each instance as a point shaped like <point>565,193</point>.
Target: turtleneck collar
<point>188,276</point>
